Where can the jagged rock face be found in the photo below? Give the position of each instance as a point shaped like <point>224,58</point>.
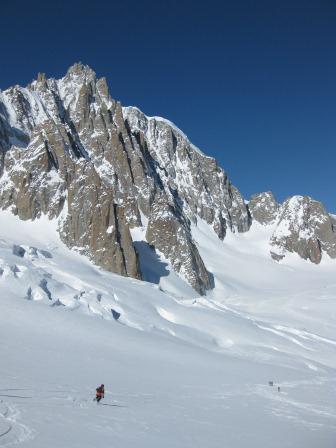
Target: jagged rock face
<point>171,235</point>
<point>303,227</point>
<point>189,185</point>
<point>52,121</point>
<point>69,150</point>
<point>97,225</point>
<point>333,222</point>
<point>201,186</point>
<point>263,207</point>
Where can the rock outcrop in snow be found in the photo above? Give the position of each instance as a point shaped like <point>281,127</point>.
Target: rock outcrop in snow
<point>303,227</point>
<point>263,207</point>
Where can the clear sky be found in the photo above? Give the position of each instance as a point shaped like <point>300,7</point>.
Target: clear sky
<point>252,83</point>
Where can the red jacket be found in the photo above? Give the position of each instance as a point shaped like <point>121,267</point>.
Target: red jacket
<point>100,392</point>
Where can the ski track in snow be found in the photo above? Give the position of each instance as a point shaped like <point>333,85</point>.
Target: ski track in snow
<point>12,430</point>
<point>125,410</point>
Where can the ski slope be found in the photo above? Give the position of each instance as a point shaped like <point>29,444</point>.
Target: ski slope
<point>179,370</point>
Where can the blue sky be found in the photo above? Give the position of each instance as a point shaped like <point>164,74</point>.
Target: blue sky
<point>252,83</point>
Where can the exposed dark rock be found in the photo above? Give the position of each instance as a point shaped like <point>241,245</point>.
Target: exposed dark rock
<point>170,234</point>
<point>304,227</point>
<point>263,207</point>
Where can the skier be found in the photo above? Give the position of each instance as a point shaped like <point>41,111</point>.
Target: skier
<point>100,393</point>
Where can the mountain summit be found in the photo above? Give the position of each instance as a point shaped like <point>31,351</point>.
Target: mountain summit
<point>72,152</point>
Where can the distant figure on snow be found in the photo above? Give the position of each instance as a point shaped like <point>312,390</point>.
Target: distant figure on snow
<point>100,393</point>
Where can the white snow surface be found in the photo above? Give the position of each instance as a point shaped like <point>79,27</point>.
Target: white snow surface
<point>179,370</point>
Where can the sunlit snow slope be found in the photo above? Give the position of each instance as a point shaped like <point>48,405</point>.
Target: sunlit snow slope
<point>179,370</point>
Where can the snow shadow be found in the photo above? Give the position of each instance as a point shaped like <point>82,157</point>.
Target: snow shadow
<point>152,267</point>
<point>112,405</point>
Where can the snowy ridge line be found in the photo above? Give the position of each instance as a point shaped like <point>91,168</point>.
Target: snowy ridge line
<point>127,109</point>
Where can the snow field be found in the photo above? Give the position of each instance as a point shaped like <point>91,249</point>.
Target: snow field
<point>179,370</point>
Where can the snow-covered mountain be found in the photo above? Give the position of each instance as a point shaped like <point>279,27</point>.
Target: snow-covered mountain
<point>304,227</point>
<point>68,150</point>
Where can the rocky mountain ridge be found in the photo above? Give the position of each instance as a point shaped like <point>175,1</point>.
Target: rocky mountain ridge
<point>301,225</point>
<point>69,150</point>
